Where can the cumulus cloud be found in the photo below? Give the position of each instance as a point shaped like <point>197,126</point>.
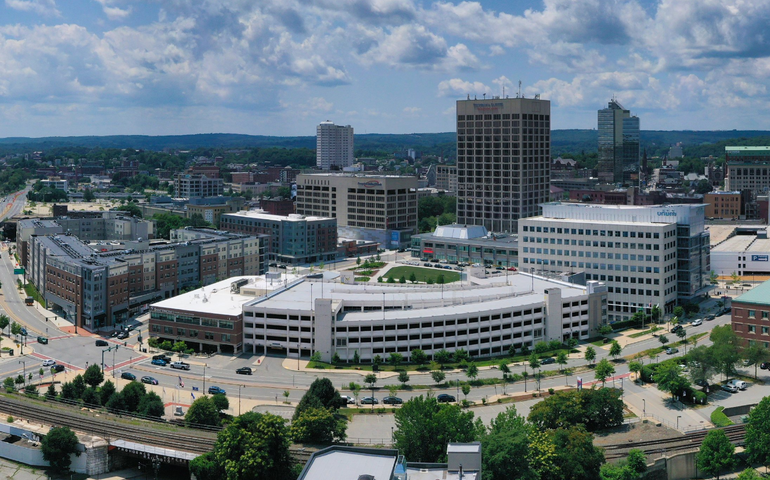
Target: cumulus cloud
<point>40,7</point>
<point>458,87</point>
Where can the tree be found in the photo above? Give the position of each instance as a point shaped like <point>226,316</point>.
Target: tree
<point>758,433</point>
<point>377,360</point>
<point>15,328</point>
<point>681,333</point>
<point>90,397</point>
<point>716,453</point>
<point>4,322</point>
<point>254,446</point>
<point>472,372</point>
<point>576,457</point>
<point>506,370</point>
<point>440,280</point>
<point>395,359</point>
<point>335,358</point>
<point>402,279</point>
<point>403,377</point>
<point>603,370</point>
<point>442,357</point>
<point>320,394</point>
<point>151,405</point>
<point>461,354</point>
<point>418,356</point>
<point>655,313</point>
<point>205,467</point>
<point>221,402</point>
<point>413,278</point>
<point>93,375</point>
<point>534,362</point>
<point>755,354</point>
<point>749,474</point>
<point>561,359</point>
<point>438,376</point>
<point>132,209</point>
<point>88,195</point>
<point>318,425</point>
<point>615,349</point>
<point>8,384</point>
<point>106,391</point>
<point>132,394</point>
<point>725,350</point>
<point>424,427</point>
<point>595,409</point>
<point>635,367</point>
<point>670,379</point>
<point>663,339</point>
<point>605,330</point>
<point>590,354</point>
<point>466,389</point>
<point>356,357</point>
<point>505,447</point>
<point>203,411</point>
<point>57,446</point>
<point>180,347</point>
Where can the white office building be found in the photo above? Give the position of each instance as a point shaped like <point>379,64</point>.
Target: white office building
<point>646,255</point>
<point>334,146</point>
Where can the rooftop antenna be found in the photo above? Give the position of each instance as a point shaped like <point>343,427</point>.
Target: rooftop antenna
<point>503,91</point>
<point>518,94</point>
<point>485,96</point>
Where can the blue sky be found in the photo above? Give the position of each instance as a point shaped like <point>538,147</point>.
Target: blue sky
<point>279,67</point>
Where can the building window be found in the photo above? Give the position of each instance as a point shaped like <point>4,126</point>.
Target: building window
<point>752,313</point>
<point>752,329</point>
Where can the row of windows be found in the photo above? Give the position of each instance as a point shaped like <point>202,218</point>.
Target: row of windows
<point>596,233</point>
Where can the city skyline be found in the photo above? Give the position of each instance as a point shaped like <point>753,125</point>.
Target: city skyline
<point>106,67</point>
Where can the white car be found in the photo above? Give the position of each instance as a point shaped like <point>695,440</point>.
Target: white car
<point>49,363</point>
<point>739,384</point>
<point>347,399</point>
<point>696,322</point>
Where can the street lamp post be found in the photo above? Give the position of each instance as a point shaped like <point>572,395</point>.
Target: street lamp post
<point>677,421</point>
<point>644,408</point>
<point>24,365</point>
<point>239,399</point>
<point>204,377</point>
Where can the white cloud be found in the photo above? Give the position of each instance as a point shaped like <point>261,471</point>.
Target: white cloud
<point>40,7</point>
<point>412,110</point>
<point>458,87</point>
<point>496,50</point>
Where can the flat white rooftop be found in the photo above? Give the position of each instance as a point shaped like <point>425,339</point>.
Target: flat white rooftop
<point>218,297</point>
<point>262,215</point>
<point>738,243</point>
<point>349,465</point>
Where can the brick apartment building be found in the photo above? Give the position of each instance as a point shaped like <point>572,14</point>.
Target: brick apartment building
<point>751,315</point>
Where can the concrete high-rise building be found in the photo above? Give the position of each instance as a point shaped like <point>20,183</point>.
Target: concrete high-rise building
<point>618,143</point>
<point>748,168</point>
<point>503,161</point>
<point>334,146</point>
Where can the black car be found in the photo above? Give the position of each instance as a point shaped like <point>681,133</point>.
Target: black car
<point>57,368</point>
<point>392,401</point>
<point>764,365</point>
<point>702,383</point>
<point>165,358</point>
<point>445,398</point>
<point>677,328</point>
<point>42,340</point>
<point>128,376</point>
<point>547,360</point>
<point>244,371</point>
<point>101,343</point>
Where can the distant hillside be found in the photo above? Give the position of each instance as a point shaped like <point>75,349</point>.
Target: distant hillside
<point>657,142</point>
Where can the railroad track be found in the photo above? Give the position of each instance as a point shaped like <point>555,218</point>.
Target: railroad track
<point>110,428</point>
<point>192,441</point>
<point>735,433</point>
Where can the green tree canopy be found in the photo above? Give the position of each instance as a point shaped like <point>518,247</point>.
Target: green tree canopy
<point>418,356</point>
<point>221,402</point>
<point>716,453</point>
<point>424,427</point>
<point>151,405</point>
<point>604,369</point>
<point>758,433</point>
<point>595,409</point>
<point>505,447</point>
<point>203,411</point>
<point>254,447</point>
<point>320,394</point>
<point>93,375</point>
<point>319,426</point>
<point>57,446</point>
<point>670,379</point>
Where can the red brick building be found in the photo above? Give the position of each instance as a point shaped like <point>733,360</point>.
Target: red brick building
<point>751,315</point>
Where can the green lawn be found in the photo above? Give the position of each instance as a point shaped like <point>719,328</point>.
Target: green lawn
<point>422,274</point>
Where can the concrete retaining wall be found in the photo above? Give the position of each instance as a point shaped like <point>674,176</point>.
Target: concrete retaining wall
<point>679,466</point>
<point>739,410</point>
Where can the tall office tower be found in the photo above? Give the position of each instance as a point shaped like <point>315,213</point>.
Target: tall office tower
<point>503,161</point>
<point>334,146</point>
<point>618,144</point>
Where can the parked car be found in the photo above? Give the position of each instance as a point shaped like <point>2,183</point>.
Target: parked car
<point>427,265</point>
<point>710,316</point>
<point>214,390</point>
<point>42,340</point>
<point>739,384</point>
<point>180,365</point>
<point>729,388</point>
<point>128,376</point>
<point>511,269</point>
<point>445,398</point>
<point>101,343</point>
<point>244,371</point>
<point>149,380</point>
<point>702,383</point>
<point>347,399</point>
<point>697,322</point>
<point>764,365</point>
<point>547,360</point>
<point>49,363</point>
<point>57,368</point>
<point>671,351</point>
<point>676,328</point>
<point>369,401</point>
<point>123,335</point>
<point>159,362</point>
<point>392,401</point>
<point>114,334</point>
<point>165,358</point>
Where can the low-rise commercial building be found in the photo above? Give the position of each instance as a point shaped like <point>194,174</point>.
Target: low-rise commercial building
<point>467,244</point>
<point>724,205</point>
<point>647,256</point>
<point>751,316</point>
<point>195,185</point>
<point>212,208</point>
<point>294,239</point>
